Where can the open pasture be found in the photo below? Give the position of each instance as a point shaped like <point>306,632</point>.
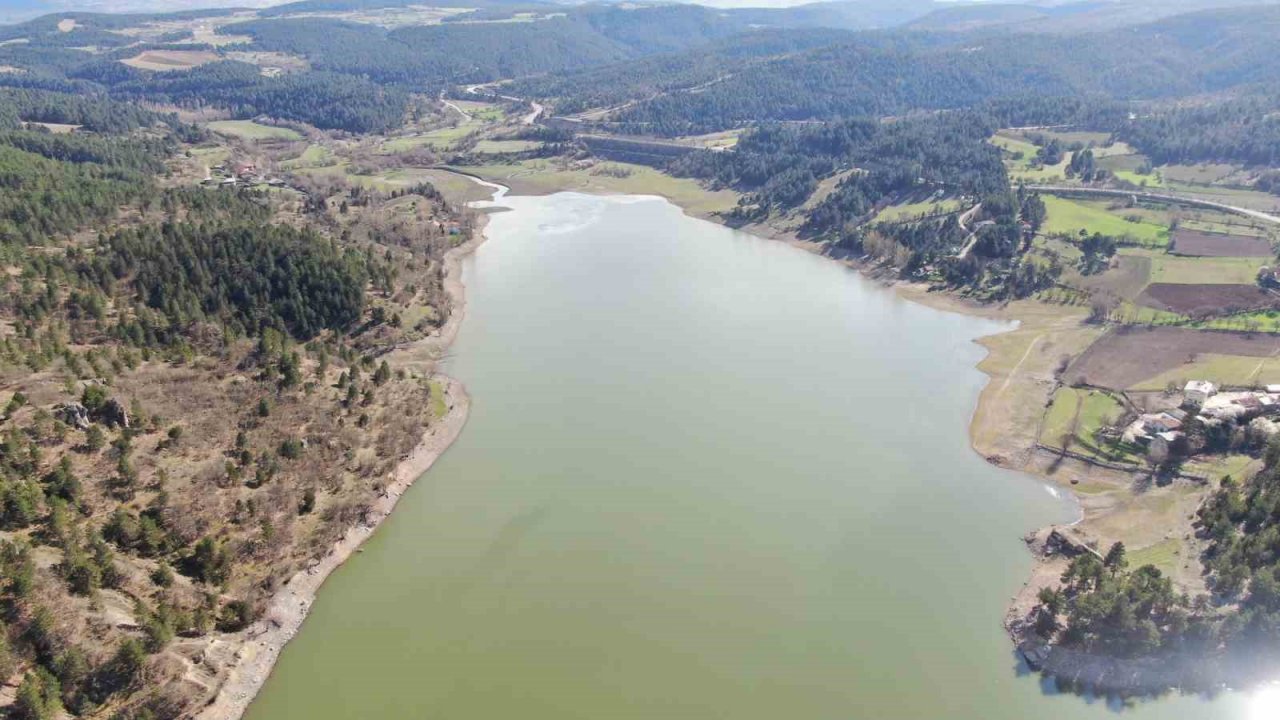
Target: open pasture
<point>1125,280</point>
<point>1070,217</point>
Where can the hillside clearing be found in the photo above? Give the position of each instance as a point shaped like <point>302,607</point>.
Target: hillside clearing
<point>168,60</point>
<point>250,130</point>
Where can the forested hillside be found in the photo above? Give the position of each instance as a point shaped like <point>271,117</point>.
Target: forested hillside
<point>187,379</point>
<point>433,56</point>
<point>1186,55</point>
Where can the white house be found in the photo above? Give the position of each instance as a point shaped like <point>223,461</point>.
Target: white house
<point>1197,391</point>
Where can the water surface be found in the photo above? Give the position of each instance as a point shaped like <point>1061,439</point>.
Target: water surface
<point>705,476</point>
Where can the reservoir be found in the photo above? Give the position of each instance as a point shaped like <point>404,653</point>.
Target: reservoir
<point>705,476</point>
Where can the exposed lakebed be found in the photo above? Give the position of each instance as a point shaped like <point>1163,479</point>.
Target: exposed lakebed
<point>705,475</point>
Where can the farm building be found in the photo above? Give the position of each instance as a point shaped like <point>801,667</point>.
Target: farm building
<point>1160,422</point>
<point>1198,391</point>
<point>1162,445</point>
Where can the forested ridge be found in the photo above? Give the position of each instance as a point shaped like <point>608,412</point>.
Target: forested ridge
<point>1180,56</point>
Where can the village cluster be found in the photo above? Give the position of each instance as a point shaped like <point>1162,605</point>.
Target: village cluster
<point>240,175</point>
<point>1206,413</point>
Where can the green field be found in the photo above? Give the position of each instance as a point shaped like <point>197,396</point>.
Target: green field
<point>339,167</point>
<point>1078,413</point>
<point>906,211</point>
<point>1227,225</point>
<point>495,147</point>
<point>1013,145</point>
<point>1267,321</point>
<point>1071,216</point>
<point>314,156</point>
<point>441,139</point>
<point>483,111</point>
<point>1132,176</point>
<point>250,130</point>
<point>1252,199</point>
<point>438,408</point>
<point>1224,270</point>
<point>1023,167</point>
<point>1164,555</point>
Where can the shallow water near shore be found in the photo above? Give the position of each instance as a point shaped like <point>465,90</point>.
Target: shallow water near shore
<point>705,475</point>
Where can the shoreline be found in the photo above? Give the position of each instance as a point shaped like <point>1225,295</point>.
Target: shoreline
<point>261,644</point>
<point>1002,429</point>
<point>1000,440</point>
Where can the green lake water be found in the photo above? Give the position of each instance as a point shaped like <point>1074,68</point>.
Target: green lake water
<point>705,476</point>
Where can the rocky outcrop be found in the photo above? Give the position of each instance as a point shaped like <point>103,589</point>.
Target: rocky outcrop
<point>73,414</point>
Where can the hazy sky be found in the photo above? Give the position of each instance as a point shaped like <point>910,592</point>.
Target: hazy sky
<point>36,7</point>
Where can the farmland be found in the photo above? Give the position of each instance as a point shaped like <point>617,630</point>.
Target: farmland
<point>441,139</point>
<point>1194,243</point>
<point>1071,217</point>
<point>1126,279</point>
<point>1200,270</point>
<point>1236,370</point>
<point>1127,356</point>
<point>1200,299</point>
<point>249,130</point>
